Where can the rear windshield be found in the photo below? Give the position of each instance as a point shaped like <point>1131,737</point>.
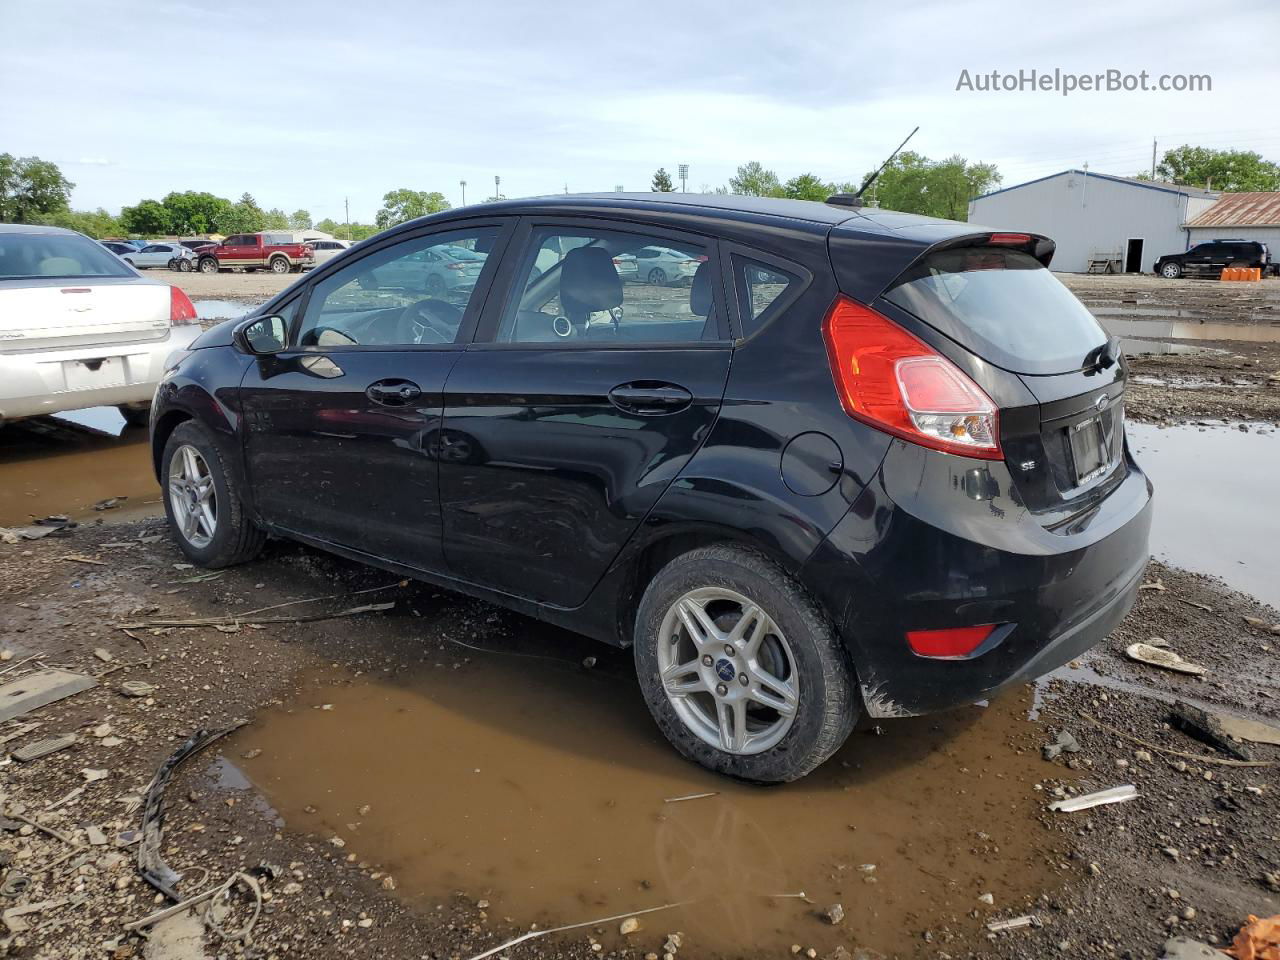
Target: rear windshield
<point>1004,305</point>
<point>27,255</point>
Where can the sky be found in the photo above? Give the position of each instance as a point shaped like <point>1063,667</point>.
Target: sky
<point>303,104</point>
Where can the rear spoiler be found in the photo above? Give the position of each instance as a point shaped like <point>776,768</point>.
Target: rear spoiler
<point>869,256</point>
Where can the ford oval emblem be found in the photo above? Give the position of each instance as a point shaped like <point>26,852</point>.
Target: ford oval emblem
<point>724,670</point>
<point>1101,402</point>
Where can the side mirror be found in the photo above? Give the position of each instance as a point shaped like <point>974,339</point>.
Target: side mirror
<point>262,336</point>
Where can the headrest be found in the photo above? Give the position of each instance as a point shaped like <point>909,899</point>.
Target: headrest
<point>700,290</point>
<point>59,267</point>
<point>589,282</point>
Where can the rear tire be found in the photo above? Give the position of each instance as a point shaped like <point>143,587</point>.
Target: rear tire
<point>657,276</point>
<point>227,536</point>
<point>279,265</point>
<point>796,661</point>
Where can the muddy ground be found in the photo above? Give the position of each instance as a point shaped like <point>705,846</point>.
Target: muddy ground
<point>357,807</point>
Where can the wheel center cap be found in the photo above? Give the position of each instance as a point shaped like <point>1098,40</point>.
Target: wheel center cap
<point>725,670</point>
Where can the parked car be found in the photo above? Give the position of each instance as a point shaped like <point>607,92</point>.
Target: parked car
<point>81,328</point>
<point>118,248</point>
<point>174,256</point>
<point>867,463</point>
<point>326,250</point>
<point>196,244</point>
<point>256,251</point>
<point>662,265</point>
<point>444,271</point>
<point>1209,259</point>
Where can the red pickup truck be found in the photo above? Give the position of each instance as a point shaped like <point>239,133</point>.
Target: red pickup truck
<point>256,251</point>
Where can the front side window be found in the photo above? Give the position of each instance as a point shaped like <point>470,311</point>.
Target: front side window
<point>592,287</point>
<point>410,293</point>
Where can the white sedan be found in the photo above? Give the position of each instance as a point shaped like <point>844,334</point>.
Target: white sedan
<point>81,328</point>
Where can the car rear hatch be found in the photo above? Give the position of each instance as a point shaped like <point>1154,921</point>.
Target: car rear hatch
<point>993,296</point>
<point>63,314</point>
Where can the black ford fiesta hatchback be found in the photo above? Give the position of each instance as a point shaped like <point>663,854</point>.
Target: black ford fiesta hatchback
<point>808,460</point>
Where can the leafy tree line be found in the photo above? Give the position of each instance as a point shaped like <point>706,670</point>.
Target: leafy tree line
<point>1233,171</point>
<point>912,183</point>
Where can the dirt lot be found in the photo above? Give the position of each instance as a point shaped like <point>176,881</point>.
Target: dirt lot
<point>907,828</point>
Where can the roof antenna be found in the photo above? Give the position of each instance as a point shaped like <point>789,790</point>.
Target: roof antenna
<point>855,199</point>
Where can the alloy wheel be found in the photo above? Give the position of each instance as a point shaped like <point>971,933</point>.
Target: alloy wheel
<point>192,497</point>
<point>728,671</point>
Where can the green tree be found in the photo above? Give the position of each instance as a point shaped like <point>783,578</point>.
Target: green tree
<point>195,211</point>
<point>662,181</point>
<point>275,219</point>
<point>1228,170</point>
<point>915,184</point>
<point>146,218</point>
<point>807,186</point>
<point>753,180</point>
<point>358,231</point>
<point>92,223</point>
<point>30,188</point>
<point>301,220</point>
<point>244,216</point>
<point>401,205</point>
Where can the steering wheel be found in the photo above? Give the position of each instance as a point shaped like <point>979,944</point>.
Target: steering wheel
<point>429,321</point>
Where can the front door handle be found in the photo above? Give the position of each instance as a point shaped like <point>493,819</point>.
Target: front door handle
<point>650,398</point>
<point>393,393</point>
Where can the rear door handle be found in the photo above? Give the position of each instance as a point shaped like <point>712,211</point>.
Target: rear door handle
<point>393,393</point>
<point>649,398</point>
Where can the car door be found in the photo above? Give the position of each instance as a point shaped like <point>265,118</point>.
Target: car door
<point>337,428</point>
<point>152,255</point>
<point>576,407</point>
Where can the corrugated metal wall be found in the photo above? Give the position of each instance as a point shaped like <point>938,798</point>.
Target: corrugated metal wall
<point>1088,216</point>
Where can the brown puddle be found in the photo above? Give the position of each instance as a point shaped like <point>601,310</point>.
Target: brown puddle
<point>50,465</point>
<point>539,786</point>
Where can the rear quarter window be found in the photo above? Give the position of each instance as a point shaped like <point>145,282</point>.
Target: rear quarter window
<point>764,290</point>
<point>1003,305</point>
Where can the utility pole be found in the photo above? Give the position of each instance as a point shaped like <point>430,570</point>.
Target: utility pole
<point>346,212</point>
<point>463,185</point>
<point>1153,158</point>
<point>684,176</point>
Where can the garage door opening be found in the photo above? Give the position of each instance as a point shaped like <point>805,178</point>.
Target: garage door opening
<point>1133,256</point>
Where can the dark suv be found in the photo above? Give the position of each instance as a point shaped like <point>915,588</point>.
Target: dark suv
<point>862,462</point>
<point>1209,259</point>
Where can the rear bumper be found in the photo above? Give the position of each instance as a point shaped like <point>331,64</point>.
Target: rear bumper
<point>909,558</point>
<point>38,383</point>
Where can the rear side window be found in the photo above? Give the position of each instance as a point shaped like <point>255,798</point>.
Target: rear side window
<point>1004,305</point>
<point>583,287</point>
<point>25,255</point>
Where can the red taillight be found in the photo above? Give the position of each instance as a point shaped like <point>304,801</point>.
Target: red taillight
<point>455,266</point>
<point>1010,239</point>
<point>955,642</point>
<point>181,310</point>
<point>887,378</point>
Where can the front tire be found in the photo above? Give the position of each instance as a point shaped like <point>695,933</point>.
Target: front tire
<point>657,277</point>
<point>1171,271</point>
<point>202,501</point>
<point>740,668</point>
<point>208,265</point>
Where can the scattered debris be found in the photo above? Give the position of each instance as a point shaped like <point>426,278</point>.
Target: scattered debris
<point>80,558</point>
<point>1184,948</point>
<point>103,654</point>
<point>40,689</point>
<point>1113,795</point>
<point>150,864</point>
<point>42,748</point>
<point>833,914</point>
<point>1157,585</point>
<point>629,926</point>
<point>1065,743</point>
<point>692,796</point>
<point>988,899</point>
<point>1199,758</point>
<point>1263,624</point>
<point>1192,603</point>
<point>534,934</point>
<point>1257,939</point>
<point>250,617</point>
<point>95,835</point>
<point>1014,923</point>
<point>137,688</point>
<point>14,883</point>
<point>1158,657</point>
<point>92,776</point>
<point>588,662</point>
<point>1206,728</point>
<point>110,503</point>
